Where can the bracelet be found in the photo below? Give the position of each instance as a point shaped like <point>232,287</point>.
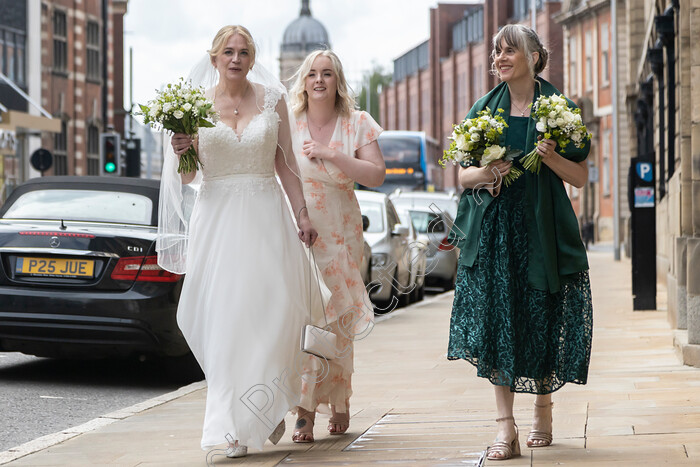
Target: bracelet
<point>301,209</point>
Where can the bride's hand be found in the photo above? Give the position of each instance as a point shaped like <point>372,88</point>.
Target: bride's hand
<point>307,233</point>
<point>181,143</point>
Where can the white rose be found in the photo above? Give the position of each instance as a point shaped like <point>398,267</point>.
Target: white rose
<point>552,115</point>
<point>178,114</point>
<point>153,113</point>
<point>576,137</point>
<point>568,117</point>
<point>187,107</point>
<point>560,122</point>
<point>461,142</point>
<point>167,107</point>
<point>492,153</point>
<point>551,123</point>
<point>541,127</point>
<point>475,137</point>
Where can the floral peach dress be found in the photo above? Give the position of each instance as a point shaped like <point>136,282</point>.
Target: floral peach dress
<point>335,213</point>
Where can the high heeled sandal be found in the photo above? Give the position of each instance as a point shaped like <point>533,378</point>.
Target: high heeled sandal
<point>236,450</point>
<point>304,436</point>
<point>537,438</point>
<point>276,435</point>
<point>501,450</point>
<point>339,419</point>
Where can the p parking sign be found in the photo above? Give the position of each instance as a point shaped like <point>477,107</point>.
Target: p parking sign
<point>645,171</point>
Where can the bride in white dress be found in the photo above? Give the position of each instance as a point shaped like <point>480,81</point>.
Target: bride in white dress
<point>246,294</point>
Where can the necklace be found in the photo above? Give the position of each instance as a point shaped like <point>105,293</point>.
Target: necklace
<point>319,127</point>
<point>235,109</point>
<point>522,112</point>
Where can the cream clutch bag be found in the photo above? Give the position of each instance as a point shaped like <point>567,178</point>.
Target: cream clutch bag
<point>316,340</point>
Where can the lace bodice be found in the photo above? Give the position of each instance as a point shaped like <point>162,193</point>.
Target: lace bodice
<point>223,153</point>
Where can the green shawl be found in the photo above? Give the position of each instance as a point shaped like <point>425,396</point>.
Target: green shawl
<point>555,247</point>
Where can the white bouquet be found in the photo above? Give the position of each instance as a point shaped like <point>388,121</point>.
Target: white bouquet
<point>180,108</point>
<point>478,139</point>
<point>556,121</point>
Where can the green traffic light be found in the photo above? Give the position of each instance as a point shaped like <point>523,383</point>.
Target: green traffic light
<point>110,167</point>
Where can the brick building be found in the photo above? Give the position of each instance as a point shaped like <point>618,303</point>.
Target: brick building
<point>435,83</point>
<point>588,82</point>
<point>82,78</point>
<point>67,56</point>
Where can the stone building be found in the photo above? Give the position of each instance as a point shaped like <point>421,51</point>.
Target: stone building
<point>662,91</point>
<point>303,35</point>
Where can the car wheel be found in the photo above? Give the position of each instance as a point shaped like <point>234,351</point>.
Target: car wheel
<point>421,292</point>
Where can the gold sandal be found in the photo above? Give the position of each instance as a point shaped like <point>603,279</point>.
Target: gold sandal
<point>501,450</point>
<point>537,438</point>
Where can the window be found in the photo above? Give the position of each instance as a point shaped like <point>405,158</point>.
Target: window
<point>589,60</point>
<point>414,116</point>
<point>604,54</point>
<point>83,205</point>
<point>573,69</point>
<point>93,50</point>
<point>12,55</point>
<point>60,150</point>
<point>605,179</point>
<point>60,42</point>
<point>93,150</point>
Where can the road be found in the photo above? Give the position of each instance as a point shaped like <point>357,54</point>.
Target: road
<point>41,396</point>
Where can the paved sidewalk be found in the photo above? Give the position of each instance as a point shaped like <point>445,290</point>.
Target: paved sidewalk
<point>413,407</point>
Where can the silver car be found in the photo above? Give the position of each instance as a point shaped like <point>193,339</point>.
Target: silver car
<point>424,199</point>
<point>418,262</point>
<point>432,227</point>
<point>389,241</point>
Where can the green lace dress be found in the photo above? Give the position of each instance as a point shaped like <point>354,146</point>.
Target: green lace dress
<point>531,340</point>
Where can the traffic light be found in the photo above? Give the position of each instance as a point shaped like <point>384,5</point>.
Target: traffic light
<point>109,154</point>
<point>133,157</point>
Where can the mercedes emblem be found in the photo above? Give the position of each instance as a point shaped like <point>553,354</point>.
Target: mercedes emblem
<point>55,242</point>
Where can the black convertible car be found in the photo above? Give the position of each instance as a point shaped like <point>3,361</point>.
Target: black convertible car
<point>78,271</point>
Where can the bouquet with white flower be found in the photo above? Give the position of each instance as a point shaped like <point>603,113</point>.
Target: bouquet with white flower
<point>556,121</point>
<point>478,139</point>
<point>180,108</point>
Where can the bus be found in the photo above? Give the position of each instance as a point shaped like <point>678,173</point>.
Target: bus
<point>411,161</point>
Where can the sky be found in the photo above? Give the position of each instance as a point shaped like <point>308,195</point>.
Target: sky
<point>169,36</point>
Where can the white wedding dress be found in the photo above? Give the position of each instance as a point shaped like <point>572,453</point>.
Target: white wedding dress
<point>246,294</point>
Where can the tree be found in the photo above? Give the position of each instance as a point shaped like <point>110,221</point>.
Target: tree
<point>377,78</point>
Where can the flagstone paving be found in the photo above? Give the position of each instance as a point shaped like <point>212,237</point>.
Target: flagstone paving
<point>413,407</point>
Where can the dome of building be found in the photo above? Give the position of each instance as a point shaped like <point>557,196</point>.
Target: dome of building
<point>305,34</point>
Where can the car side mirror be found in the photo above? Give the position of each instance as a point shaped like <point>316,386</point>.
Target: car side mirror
<point>400,230</point>
<point>365,223</point>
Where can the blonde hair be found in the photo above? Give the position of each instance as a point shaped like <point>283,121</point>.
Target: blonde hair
<point>526,41</point>
<point>224,34</point>
<point>344,99</point>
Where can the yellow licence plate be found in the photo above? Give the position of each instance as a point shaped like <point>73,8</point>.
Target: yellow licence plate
<point>55,267</point>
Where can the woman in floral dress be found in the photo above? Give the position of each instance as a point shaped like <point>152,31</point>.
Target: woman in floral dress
<point>336,146</point>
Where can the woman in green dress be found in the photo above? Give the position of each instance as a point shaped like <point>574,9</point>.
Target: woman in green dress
<point>522,312</point>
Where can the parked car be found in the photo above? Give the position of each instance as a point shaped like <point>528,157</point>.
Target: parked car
<point>78,271</point>
<point>441,255</point>
<point>418,261</point>
<point>390,252</point>
<point>424,199</point>
<point>366,266</point>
